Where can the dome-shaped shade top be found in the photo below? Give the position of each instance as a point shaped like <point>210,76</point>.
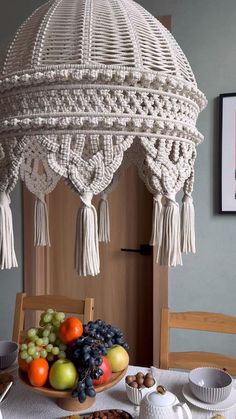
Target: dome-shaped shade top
<point>88,33</point>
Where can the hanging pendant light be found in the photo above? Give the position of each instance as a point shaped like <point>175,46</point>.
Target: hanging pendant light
<point>83,81</point>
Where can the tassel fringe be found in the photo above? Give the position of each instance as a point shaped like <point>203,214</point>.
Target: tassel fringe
<point>41,223</point>
<point>7,251</point>
<point>156,220</point>
<point>187,225</point>
<point>170,253</point>
<point>87,260</point>
<point>103,220</point>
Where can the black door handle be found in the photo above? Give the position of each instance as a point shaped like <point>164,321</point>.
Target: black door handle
<point>144,250</point>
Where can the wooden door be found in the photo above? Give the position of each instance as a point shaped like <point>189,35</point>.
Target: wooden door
<point>123,291</point>
<point>131,289</point>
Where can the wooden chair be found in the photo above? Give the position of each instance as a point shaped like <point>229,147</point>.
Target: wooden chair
<point>85,308</point>
<point>211,322</point>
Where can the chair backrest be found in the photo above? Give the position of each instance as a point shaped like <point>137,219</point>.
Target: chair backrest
<point>43,302</point>
<point>211,322</point>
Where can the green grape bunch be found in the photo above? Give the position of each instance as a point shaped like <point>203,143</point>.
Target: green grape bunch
<point>43,341</point>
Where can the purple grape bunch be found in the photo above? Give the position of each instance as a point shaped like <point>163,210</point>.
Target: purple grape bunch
<point>106,333</point>
<point>86,354</point>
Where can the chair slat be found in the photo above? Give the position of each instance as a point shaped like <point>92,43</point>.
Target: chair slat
<point>212,322</point>
<point>57,302</point>
<point>18,317</point>
<point>88,309</point>
<point>84,308</point>
<point>192,360</point>
<point>164,349</point>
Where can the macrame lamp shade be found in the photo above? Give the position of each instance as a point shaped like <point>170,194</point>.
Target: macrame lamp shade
<point>86,87</point>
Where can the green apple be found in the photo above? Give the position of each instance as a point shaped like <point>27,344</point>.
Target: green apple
<point>63,374</point>
<point>118,358</point>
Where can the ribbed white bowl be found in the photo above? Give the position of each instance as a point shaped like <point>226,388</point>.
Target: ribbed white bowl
<point>211,385</point>
<point>135,395</point>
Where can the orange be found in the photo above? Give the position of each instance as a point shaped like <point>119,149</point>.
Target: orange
<point>23,366</point>
<point>70,330</point>
<point>38,372</point>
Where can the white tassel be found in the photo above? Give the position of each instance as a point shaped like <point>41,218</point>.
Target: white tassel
<point>87,260</point>
<point>41,222</point>
<point>187,225</point>
<point>156,220</point>
<point>170,253</point>
<point>103,219</point>
<point>7,251</point>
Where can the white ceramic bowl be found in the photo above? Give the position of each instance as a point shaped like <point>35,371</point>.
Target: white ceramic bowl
<point>8,353</point>
<point>135,395</point>
<point>211,385</point>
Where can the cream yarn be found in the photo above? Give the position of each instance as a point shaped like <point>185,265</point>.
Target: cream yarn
<point>81,82</point>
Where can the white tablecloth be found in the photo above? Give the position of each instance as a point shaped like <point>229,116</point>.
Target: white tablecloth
<point>174,381</point>
<point>22,403</point>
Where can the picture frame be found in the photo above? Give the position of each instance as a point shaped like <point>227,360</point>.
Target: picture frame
<point>228,153</point>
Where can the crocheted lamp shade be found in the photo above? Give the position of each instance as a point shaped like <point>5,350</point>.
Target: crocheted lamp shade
<point>82,82</point>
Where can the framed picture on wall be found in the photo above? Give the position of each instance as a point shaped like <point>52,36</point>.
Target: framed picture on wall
<point>228,153</point>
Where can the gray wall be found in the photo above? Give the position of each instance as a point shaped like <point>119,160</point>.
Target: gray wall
<point>12,14</point>
<point>206,31</point>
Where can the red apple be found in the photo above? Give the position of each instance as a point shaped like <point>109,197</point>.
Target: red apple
<point>107,371</point>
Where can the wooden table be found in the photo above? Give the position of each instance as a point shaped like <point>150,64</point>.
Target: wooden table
<point>21,403</point>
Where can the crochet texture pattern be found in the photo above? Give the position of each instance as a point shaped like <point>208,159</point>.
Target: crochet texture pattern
<point>82,82</point>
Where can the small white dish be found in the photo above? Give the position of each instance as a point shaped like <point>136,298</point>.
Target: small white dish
<point>216,407</point>
<point>135,395</point>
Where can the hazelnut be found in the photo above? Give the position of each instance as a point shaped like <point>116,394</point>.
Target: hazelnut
<point>129,379</point>
<point>149,382</point>
<point>139,375</point>
<point>149,375</point>
<point>140,381</point>
<point>134,384</point>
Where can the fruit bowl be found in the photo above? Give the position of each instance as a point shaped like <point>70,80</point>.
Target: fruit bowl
<point>64,399</point>
<point>62,353</point>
